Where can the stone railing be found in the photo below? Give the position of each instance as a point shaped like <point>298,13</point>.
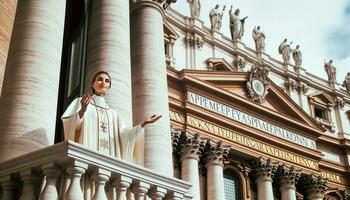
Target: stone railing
<point>70,171</point>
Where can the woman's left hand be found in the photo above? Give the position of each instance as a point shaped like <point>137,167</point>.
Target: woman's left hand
<point>150,120</point>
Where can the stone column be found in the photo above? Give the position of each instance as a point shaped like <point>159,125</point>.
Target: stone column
<point>264,171</point>
<point>7,16</point>
<point>214,155</point>
<point>287,179</point>
<point>29,94</point>
<point>314,187</point>
<point>108,49</point>
<point>149,83</point>
<point>190,152</point>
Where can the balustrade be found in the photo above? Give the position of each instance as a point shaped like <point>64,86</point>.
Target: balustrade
<point>70,171</point>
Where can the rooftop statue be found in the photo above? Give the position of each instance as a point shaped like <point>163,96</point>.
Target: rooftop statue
<point>330,70</point>
<point>259,39</point>
<point>195,7</point>
<point>297,56</point>
<point>346,82</point>
<point>285,50</point>
<point>236,25</point>
<point>216,17</point>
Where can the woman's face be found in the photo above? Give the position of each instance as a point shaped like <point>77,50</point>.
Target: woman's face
<point>101,84</point>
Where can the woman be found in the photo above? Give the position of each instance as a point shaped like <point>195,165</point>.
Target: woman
<point>89,121</point>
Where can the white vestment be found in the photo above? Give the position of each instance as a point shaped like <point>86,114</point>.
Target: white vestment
<point>100,129</point>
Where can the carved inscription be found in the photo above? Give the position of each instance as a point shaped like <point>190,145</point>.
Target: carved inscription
<point>332,177</point>
<point>250,120</point>
<point>251,143</point>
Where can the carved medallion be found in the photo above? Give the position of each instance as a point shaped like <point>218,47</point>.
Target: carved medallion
<point>258,84</point>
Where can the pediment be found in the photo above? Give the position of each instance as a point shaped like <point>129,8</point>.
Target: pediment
<point>322,98</point>
<point>169,32</point>
<point>218,64</point>
<point>278,107</point>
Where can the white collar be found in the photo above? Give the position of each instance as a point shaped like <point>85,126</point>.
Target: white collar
<point>99,101</point>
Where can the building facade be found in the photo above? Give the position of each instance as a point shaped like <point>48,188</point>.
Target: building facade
<point>237,123</point>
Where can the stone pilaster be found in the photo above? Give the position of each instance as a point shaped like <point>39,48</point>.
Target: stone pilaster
<point>28,114</point>
<point>314,186</point>
<point>214,154</point>
<point>149,83</point>
<point>108,49</point>
<point>190,148</point>
<point>288,177</point>
<point>264,171</point>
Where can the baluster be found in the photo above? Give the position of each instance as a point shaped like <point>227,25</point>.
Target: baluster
<point>140,190</point>
<point>29,179</point>
<point>52,172</point>
<point>8,187</point>
<point>122,183</point>
<point>175,196</point>
<point>157,193</point>
<point>75,171</point>
<point>100,178</point>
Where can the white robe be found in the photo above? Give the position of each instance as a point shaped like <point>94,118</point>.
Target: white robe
<point>86,130</point>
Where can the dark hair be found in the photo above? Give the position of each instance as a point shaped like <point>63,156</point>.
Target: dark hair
<point>94,79</point>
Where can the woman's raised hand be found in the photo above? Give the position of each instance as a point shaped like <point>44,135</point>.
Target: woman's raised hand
<point>150,120</point>
<point>84,102</point>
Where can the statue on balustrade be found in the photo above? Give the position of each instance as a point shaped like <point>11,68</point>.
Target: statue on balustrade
<point>88,120</point>
<point>216,17</point>
<point>259,39</point>
<point>346,82</point>
<point>297,56</point>
<point>195,7</point>
<point>330,70</point>
<point>285,49</point>
<point>236,25</point>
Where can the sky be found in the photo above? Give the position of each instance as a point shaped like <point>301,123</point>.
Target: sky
<point>320,27</point>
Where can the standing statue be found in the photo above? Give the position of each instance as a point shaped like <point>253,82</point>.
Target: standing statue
<point>331,71</point>
<point>259,39</point>
<point>236,25</point>
<point>216,17</point>
<point>195,7</point>
<point>285,50</point>
<point>346,82</point>
<point>297,56</point>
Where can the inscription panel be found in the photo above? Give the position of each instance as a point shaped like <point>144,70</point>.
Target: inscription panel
<point>251,143</point>
<point>249,120</point>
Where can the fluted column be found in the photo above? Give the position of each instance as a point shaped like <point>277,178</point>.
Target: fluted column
<point>149,83</point>
<point>108,49</point>
<point>288,177</point>
<point>314,187</point>
<point>29,95</point>
<point>214,155</point>
<point>264,171</point>
<point>7,16</point>
<point>8,187</point>
<point>190,152</point>
<point>52,172</point>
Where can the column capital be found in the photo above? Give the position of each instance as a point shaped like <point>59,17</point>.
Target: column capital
<point>215,153</point>
<point>264,169</point>
<point>288,176</point>
<point>190,146</point>
<point>315,186</point>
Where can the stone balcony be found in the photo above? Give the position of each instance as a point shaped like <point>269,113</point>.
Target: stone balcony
<point>70,171</point>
